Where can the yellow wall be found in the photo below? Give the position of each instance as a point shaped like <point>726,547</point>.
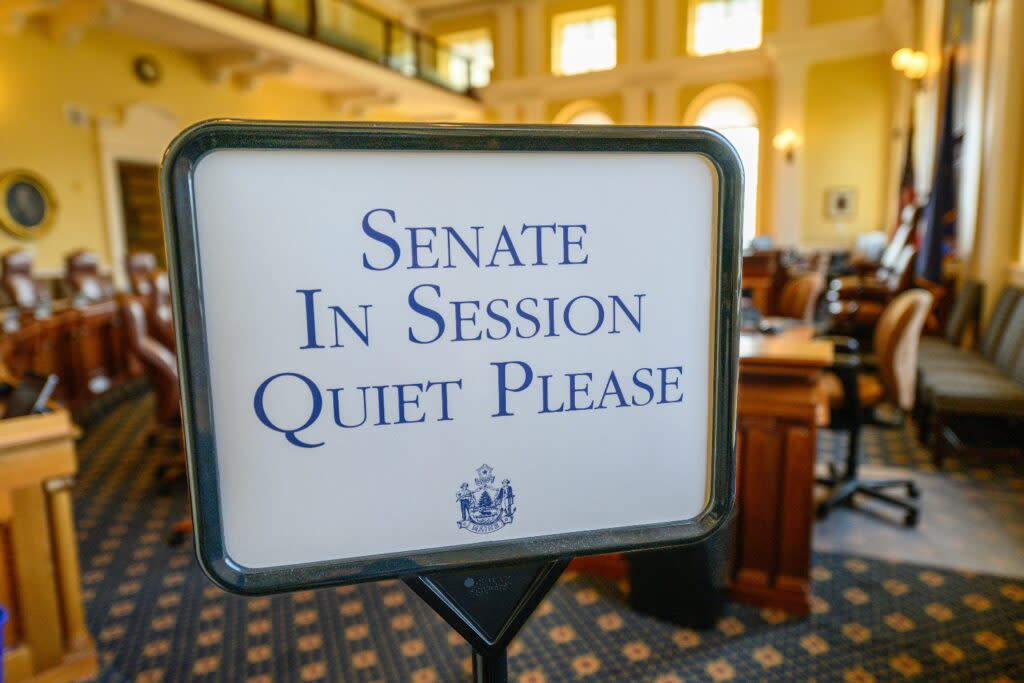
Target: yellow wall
<point>846,144</point>
<point>39,76</point>
<point>824,11</point>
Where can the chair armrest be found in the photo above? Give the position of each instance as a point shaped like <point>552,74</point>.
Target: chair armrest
<point>842,343</point>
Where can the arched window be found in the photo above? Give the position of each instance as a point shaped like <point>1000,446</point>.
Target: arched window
<point>591,117</point>
<point>734,118</point>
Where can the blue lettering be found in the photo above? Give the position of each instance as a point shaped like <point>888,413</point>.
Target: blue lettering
<point>290,434</point>
<point>427,313</point>
<point>376,235</point>
<point>503,386</point>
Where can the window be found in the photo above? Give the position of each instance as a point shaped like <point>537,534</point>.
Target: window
<point>591,117</point>
<point>583,41</point>
<point>725,26</point>
<point>734,118</point>
<point>475,46</point>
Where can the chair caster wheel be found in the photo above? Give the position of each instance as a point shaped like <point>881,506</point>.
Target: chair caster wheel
<point>175,538</point>
<point>913,491</point>
<point>910,519</point>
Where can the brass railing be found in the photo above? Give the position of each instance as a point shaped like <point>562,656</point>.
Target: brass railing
<point>359,30</point>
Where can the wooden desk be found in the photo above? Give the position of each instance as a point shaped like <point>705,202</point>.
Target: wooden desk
<point>780,406</point>
<point>764,275</point>
<point>83,346</point>
<point>46,637</point>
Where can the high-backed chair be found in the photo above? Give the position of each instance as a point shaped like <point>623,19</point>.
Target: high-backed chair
<point>874,277</point>
<point>84,282</point>
<point>151,285</point>
<point>141,265</point>
<point>162,370</point>
<point>160,315</point>
<point>852,391</point>
<point>799,297</point>
<point>19,285</point>
<point>858,316</point>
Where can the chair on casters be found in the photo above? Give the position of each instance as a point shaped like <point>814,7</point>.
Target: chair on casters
<point>853,390</point>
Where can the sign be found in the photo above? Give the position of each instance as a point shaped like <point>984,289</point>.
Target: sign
<point>415,348</point>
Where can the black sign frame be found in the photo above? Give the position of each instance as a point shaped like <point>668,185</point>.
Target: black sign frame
<point>181,234</point>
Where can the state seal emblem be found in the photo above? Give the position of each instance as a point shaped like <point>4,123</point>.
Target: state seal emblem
<point>488,507</point>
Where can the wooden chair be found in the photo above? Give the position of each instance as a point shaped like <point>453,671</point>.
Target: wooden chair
<point>852,391</point>
<point>873,277</point>
<point>858,316</point>
<point>162,370</point>
<point>799,297</point>
<point>16,276</point>
<point>83,280</point>
<point>141,265</point>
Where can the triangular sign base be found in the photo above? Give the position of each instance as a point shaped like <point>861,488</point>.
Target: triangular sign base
<point>488,606</point>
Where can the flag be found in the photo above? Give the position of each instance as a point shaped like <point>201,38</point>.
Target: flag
<point>940,217</point>
<point>908,195</point>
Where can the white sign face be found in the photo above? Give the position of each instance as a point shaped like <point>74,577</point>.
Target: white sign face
<point>415,350</point>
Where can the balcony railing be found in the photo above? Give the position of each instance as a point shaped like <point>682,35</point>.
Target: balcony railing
<point>364,32</point>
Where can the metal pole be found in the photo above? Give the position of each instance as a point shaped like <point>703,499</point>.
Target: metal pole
<point>490,668</point>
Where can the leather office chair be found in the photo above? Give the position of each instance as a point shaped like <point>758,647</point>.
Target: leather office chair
<point>852,391</point>
<point>799,297</point>
<point>83,279</point>
<point>19,285</point>
<point>162,370</point>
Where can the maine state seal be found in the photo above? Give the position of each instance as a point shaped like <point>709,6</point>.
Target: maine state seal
<point>488,507</point>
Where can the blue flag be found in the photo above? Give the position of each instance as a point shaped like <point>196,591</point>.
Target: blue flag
<point>940,217</point>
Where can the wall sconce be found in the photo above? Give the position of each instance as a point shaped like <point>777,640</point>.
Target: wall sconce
<point>913,63</point>
<point>786,142</point>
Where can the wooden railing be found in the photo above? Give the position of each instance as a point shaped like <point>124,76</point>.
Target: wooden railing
<point>362,31</point>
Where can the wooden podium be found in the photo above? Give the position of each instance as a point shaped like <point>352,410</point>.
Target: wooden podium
<point>46,637</point>
<point>780,406</point>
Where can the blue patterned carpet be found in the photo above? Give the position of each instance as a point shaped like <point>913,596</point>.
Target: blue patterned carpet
<point>156,617</point>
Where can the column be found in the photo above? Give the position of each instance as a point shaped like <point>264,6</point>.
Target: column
<point>633,32</point>
<point>666,105</point>
<point>506,56</point>
<point>787,176</point>
<point>634,105</point>
<point>995,245</point>
<point>536,54</point>
<point>666,28</point>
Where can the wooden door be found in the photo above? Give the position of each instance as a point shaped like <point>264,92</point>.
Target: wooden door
<point>140,200</point>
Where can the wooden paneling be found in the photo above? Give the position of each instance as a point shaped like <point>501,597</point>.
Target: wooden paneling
<point>46,636</point>
<point>84,347</point>
<point>779,408</point>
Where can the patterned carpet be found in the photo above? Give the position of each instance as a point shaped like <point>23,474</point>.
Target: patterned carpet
<point>156,617</point>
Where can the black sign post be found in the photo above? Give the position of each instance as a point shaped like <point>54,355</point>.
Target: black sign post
<point>485,589</point>
<point>488,607</point>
